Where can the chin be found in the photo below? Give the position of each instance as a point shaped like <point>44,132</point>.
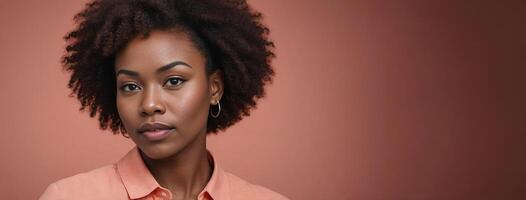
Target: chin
<point>170,146</point>
<point>159,151</point>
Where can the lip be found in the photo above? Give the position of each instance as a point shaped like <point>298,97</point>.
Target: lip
<point>157,135</point>
<point>155,131</point>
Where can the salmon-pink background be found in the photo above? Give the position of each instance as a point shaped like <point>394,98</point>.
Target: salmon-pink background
<point>403,99</point>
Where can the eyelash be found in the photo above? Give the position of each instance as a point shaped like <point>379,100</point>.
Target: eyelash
<point>125,86</point>
<point>180,81</point>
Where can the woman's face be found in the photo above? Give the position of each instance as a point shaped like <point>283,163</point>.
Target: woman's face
<point>163,93</point>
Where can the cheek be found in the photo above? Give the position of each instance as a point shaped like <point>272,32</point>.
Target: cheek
<point>126,109</point>
<point>191,107</point>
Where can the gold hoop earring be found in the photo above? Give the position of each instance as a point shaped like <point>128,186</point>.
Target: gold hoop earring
<point>218,111</point>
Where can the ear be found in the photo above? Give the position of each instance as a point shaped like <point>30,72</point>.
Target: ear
<point>215,85</point>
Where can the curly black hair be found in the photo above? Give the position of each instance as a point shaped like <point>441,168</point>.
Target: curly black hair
<point>229,33</point>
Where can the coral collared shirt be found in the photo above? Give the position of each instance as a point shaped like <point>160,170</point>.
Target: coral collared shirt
<point>129,178</point>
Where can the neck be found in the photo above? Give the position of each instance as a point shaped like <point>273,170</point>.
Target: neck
<point>186,172</point>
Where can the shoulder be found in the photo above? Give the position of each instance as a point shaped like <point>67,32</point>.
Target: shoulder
<point>242,189</point>
<point>102,180</point>
<point>101,175</point>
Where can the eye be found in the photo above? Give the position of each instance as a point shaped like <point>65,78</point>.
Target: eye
<point>130,87</point>
<point>173,82</point>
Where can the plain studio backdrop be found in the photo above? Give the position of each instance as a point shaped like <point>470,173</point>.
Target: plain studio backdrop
<point>372,100</point>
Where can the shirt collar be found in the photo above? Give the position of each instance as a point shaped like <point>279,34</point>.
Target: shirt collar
<point>139,182</point>
<point>217,187</point>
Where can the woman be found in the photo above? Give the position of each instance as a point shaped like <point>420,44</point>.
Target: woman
<point>166,73</point>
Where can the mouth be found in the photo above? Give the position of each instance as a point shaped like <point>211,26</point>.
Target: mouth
<point>155,131</point>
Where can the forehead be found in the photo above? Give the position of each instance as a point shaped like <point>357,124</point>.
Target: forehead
<point>157,49</point>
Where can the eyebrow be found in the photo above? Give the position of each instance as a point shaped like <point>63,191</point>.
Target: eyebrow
<point>161,69</point>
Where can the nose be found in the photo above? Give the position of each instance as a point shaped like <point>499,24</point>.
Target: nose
<point>152,102</point>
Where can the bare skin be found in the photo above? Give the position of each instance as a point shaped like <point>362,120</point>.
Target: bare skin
<point>162,79</point>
